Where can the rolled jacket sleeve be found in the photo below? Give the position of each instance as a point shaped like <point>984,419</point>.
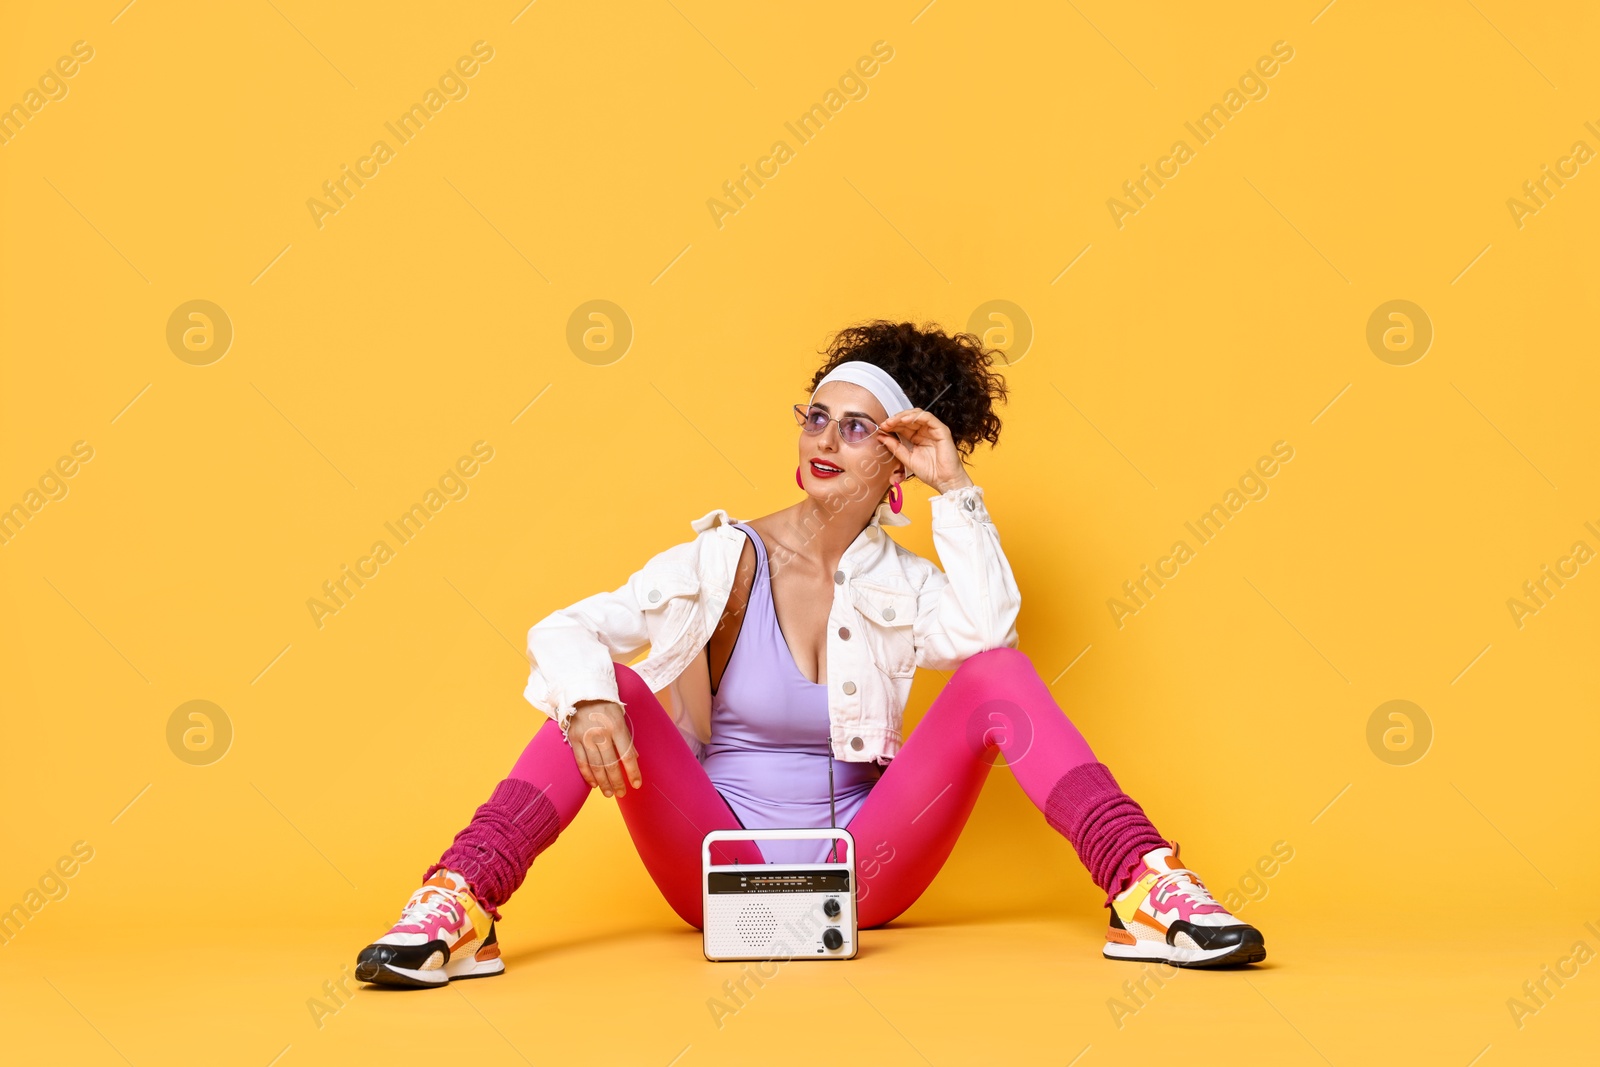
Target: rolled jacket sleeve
<point>572,650</point>
<point>972,605</point>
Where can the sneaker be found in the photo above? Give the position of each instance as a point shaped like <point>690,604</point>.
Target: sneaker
<point>1167,916</point>
<point>443,934</point>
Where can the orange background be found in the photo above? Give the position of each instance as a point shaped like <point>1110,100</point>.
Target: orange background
<point>1151,365</point>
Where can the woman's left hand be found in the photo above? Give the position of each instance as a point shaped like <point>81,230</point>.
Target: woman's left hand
<point>924,444</point>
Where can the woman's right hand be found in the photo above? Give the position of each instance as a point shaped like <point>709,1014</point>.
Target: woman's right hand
<point>602,744</point>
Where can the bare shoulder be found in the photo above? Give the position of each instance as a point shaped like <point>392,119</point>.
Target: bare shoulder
<point>773,539</point>
<point>768,526</point>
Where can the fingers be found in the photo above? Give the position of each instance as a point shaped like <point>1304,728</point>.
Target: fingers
<point>579,756</point>
<point>630,763</point>
<point>627,771</point>
<point>610,765</point>
<point>595,741</point>
<point>899,450</point>
<point>905,434</point>
<point>582,761</point>
<point>891,441</point>
<point>591,761</point>
<point>916,420</point>
<point>610,773</point>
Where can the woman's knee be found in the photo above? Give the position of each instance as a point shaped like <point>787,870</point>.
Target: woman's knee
<point>632,691</point>
<point>994,692</point>
<point>994,663</point>
<point>626,676</point>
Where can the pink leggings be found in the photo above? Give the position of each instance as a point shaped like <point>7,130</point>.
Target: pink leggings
<point>994,703</point>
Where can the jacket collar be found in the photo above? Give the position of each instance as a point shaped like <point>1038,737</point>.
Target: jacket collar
<point>885,516</point>
<point>714,517</point>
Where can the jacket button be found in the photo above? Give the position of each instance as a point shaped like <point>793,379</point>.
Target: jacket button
<point>888,613</point>
<point>857,744</point>
<point>849,687</point>
<point>844,633</point>
<point>971,504</point>
<point>838,577</point>
<point>655,595</point>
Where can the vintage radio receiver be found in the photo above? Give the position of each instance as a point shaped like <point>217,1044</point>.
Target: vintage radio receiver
<point>779,911</point>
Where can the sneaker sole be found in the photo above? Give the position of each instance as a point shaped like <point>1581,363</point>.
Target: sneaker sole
<point>1160,952</point>
<point>407,978</point>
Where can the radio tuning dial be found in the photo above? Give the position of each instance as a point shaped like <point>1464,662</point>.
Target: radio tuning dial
<point>830,908</point>
<point>832,938</point>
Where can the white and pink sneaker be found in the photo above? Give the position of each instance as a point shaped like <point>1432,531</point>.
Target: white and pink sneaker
<point>1167,916</point>
<point>443,934</point>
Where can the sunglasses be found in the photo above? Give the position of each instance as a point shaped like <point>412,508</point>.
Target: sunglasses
<point>853,429</point>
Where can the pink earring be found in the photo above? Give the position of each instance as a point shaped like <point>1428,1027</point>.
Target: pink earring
<point>797,480</point>
<point>897,496</point>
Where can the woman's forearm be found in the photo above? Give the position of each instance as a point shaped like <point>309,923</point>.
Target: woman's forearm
<point>973,605</point>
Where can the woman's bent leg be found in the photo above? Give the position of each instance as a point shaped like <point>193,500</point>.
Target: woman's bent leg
<point>671,814</point>
<point>994,703</point>
<point>667,818</point>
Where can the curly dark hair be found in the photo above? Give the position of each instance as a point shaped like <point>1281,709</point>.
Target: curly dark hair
<point>947,375</point>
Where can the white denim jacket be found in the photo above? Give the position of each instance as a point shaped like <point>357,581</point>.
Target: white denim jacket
<point>900,612</point>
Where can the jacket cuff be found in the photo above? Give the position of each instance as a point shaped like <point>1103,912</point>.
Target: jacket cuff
<point>561,703</point>
<point>959,507</point>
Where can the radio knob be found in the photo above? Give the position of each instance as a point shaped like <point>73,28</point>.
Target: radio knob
<point>830,908</point>
<point>832,937</point>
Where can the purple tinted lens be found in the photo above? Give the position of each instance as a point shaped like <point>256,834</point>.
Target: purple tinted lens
<point>852,430</point>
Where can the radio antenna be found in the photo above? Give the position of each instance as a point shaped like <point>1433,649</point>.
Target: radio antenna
<point>833,819</point>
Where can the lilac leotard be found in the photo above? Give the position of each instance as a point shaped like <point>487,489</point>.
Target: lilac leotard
<point>769,752</point>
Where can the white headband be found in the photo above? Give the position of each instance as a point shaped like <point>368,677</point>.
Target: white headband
<point>871,377</point>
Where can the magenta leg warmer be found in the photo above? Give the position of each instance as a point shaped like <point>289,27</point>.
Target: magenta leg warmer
<point>494,851</point>
<point>1107,828</point>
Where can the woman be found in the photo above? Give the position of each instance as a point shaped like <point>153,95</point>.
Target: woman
<point>787,645</point>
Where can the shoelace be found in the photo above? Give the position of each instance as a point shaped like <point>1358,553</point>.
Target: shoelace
<point>428,900</point>
<point>1183,880</point>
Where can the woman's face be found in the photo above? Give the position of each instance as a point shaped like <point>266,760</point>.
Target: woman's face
<point>867,467</point>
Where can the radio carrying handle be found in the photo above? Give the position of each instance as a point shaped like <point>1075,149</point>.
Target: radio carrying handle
<point>802,833</point>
